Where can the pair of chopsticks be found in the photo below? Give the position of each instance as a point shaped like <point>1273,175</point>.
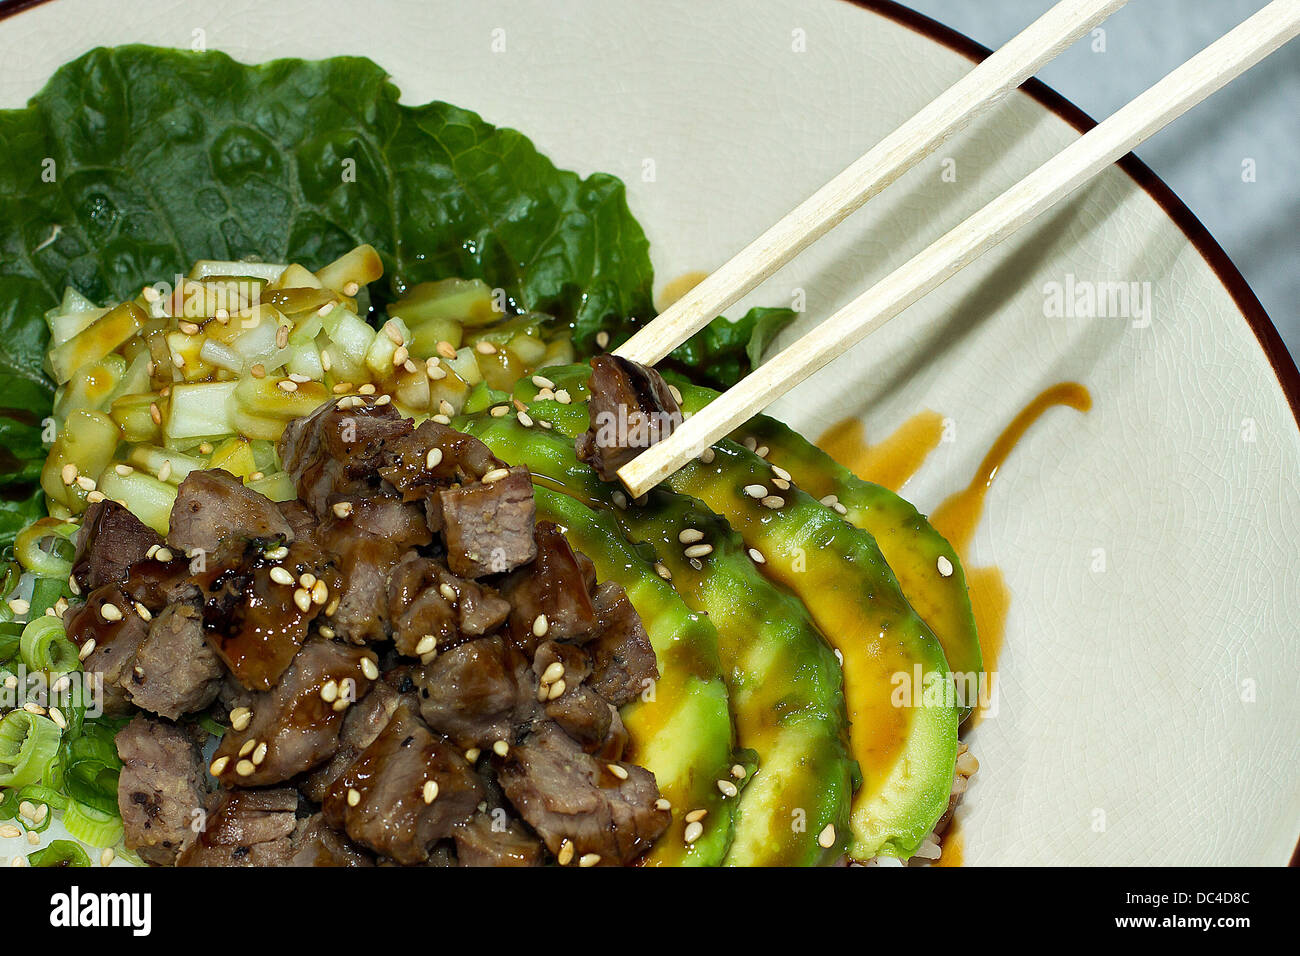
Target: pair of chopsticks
<point>1212,68</point>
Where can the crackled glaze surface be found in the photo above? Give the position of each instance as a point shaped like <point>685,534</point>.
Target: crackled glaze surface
<point>1148,707</point>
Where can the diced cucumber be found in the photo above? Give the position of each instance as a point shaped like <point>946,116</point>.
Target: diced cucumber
<point>91,386</point>
<point>64,325</point>
<point>266,271</point>
<point>198,410</point>
<point>361,267</point>
<point>92,343</point>
<point>154,459</point>
<point>235,455</point>
<point>468,301</point>
<point>145,496</point>
<point>265,398</point>
<point>134,415</point>
<point>87,441</point>
<point>277,487</point>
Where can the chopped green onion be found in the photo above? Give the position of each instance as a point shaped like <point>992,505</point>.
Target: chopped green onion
<point>92,826</point>
<point>29,744</point>
<point>45,548</point>
<point>9,640</point>
<point>60,853</point>
<point>46,592</point>
<point>39,793</point>
<point>44,646</point>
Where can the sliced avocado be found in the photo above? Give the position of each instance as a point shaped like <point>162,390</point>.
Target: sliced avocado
<point>898,685</point>
<point>910,544</point>
<point>783,680</point>
<point>681,728</point>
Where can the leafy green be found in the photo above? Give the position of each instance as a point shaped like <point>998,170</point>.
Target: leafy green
<point>723,352</point>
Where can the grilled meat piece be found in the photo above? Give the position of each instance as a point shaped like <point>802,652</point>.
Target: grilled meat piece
<point>337,450</point>
<point>246,828</point>
<point>213,505</point>
<point>387,799</point>
<point>457,459</point>
<point>470,692</point>
<point>295,726</point>
<point>623,661</point>
<point>110,540</point>
<point>488,525</point>
<point>161,791</point>
<point>631,408</point>
<point>494,838</point>
<point>175,671</point>
<point>554,586</point>
<point>362,723</point>
<point>316,843</point>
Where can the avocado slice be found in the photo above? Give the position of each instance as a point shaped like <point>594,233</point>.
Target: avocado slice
<point>898,686</point>
<point>910,544</point>
<point>783,680</point>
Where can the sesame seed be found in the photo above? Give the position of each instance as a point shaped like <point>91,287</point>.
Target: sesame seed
<point>427,644</point>
<point>945,566</point>
<point>485,348</point>
<point>707,456</point>
<point>9,831</point>
<point>302,599</point>
<point>34,708</point>
<point>354,796</point>
<point>56,715</point>
<point>106,858</point>
<point>698,550</point>
<point>85,483</point>
<point>154,413</point>
<point>756,491</point>
<point>430,791</point>
<point>280,576</point>
<point>69,474</point>
<point>781,473</point>
<point>86,649</point>
<point>245,768</point>
<point>441,419</point>
<point>541,381</point>
<point>446,408</point>
<point>19,606</point>
<point>826,838</point>
<point>495,475</point>
<point>501,748</point>
<point>738,771</point>
<point>20,862</point>
<point>696,815</point>
<point>369,668</point>
<point>400,355</point>
<point>565,856</point>
<point>620,500</point>
<point>257,370</point>
<point>259,754</point>
<point>690,536</point>
<point>540,626</point>
<point>277,554</point>
<point>288,385</point>
<point>471,755</point>
<point>446,349</point>
<point>326,362</point>
<point>111,612</point>
<point>163,554</point>
<point>830,500</point>
<point>589,859</point>
<point>562,396</point>
<point>435,374</point>
<point>727,788</point>
<point>329,692</point>
<point>281,336</point>
<point>662,571</point>
<point>394,333</point>
<point>433,459</point>
<point>602,339</point>
<point>757,556</point>
<point>342,509</point>
<point>616,770</point>
<point>553,672</point>
<point>499,411</point>
<point>663,804</point>
<point>165,471</point>
<point>247,748</point>
<point>557,690</point>
<point>96,496</point>
<point>773,502</point>
<point>448,592</point>
<point>240,718</point>
<point>840,509</point>
<point>367,389</point>
<point>525,419</point>
<point>319,592</point>
<point>693,832</point>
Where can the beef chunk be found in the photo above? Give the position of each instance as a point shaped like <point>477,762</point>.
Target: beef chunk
<point>110,540</point>
<point>424,598</point>
<point>315,843</point>
<point>459,458</point>
<point>631,408</point>
<point>247,828</point>
<point>554,586</point>
<point>301,521</point>
<point>623,661</point>
<point>296,725</point>
<point>175,671</point>
<point>366,545</point>
<point>590,720</point>
<point>496,839</point>
<point>363,722</point>
<point>489,524</point>
<point>336,450</point>
<point>253,622</point>
<point>161,790</point>
<point>212,505</point>
<point>116,641</point>
<point>380,801</point>
<point>469,693</point>
<point>567,795</point>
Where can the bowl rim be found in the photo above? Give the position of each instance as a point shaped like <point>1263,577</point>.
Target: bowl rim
<point>1275,351</point>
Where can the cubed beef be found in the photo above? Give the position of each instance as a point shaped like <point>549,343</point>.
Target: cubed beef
<point>470,692</point>
<point>296,726</point>
<point>623,660</point>
<point>631,408</point>
<point>247,828</point>
<point>316,843</point>
<point>175,670</point>
<point>212,505</point>
<point>405,792</point>
<point>336,450</point>
<point>115,637</point>
<point>424,598</point>
<point>569,796</point>
<point>494,838</point>
<point>110,540</point>
<point>553,587</point>
<point>457,458</point>
<point>488,525</point>
<point>363,722</point>
<point>161,791</point>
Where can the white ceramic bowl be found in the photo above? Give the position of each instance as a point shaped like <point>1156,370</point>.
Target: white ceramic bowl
<point>1148,711</point>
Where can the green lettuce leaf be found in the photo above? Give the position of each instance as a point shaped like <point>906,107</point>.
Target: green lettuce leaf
<point>724,352</point>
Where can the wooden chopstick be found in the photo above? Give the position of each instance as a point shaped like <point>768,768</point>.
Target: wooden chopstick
<point>1001,72</point>
<point>1208,71</point>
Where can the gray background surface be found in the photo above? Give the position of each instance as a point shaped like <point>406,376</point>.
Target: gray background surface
<point>1201,154</point>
